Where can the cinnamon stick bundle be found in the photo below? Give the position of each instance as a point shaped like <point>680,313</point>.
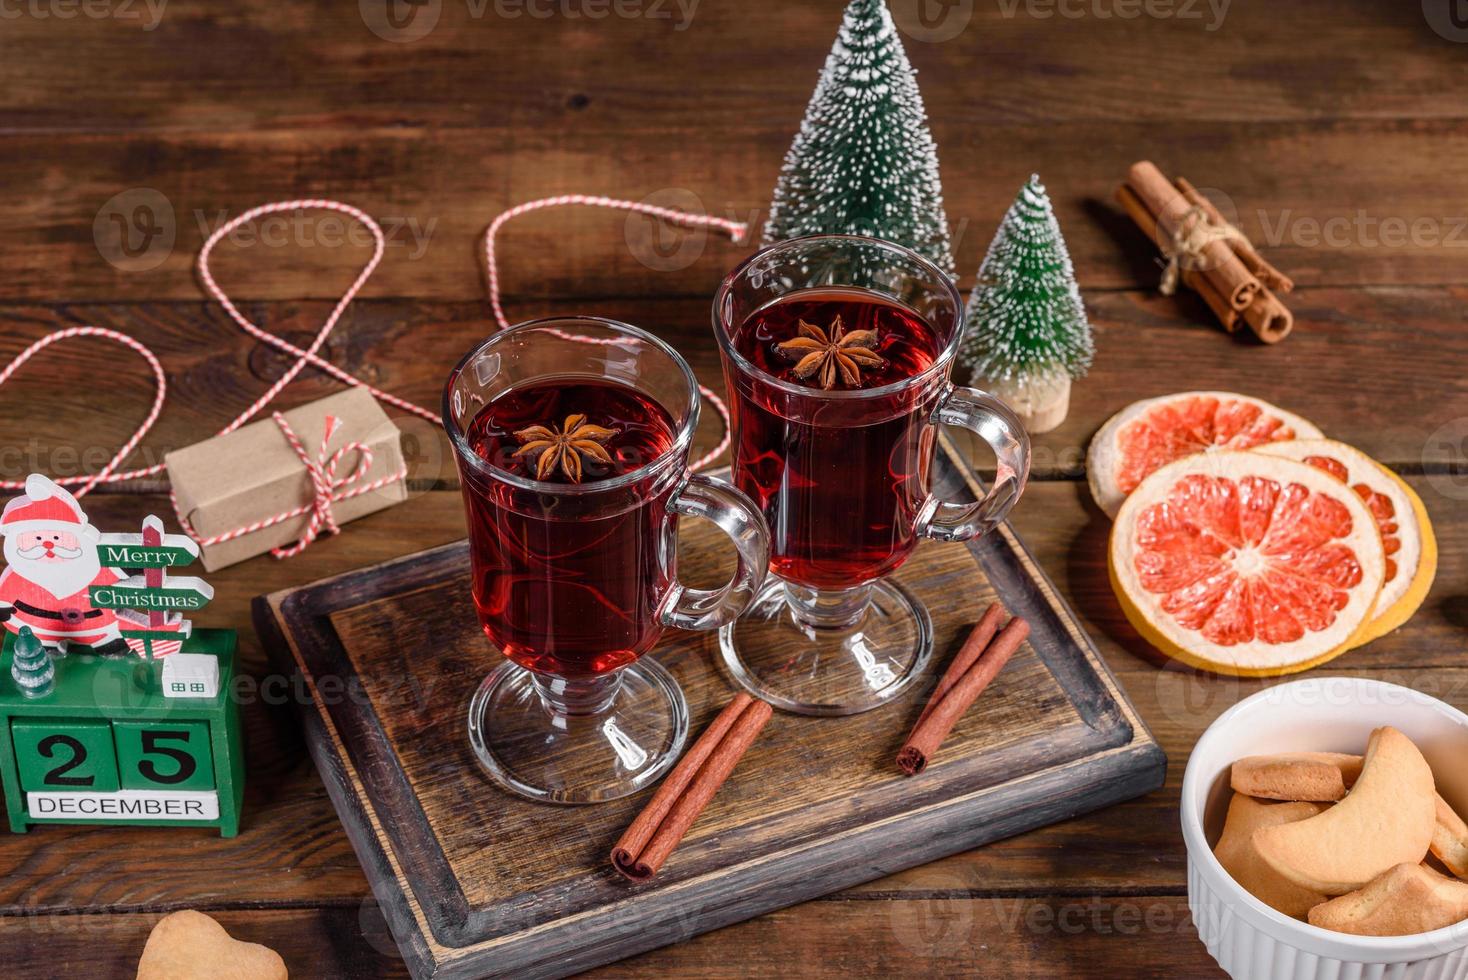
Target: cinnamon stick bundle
<point>980,660</point>
<point>656,832</point>
<point>1267,274</point>
<point>1208,254</point>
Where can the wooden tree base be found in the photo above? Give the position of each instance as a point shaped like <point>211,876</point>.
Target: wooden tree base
<point>1041,402</point>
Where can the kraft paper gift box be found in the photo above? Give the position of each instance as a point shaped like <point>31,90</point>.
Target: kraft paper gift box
<point>233,481</point>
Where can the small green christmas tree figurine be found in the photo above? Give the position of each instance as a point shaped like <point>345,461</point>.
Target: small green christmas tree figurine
<point>864,162</point>
<point>32,668</point>
<point>1026,334</point>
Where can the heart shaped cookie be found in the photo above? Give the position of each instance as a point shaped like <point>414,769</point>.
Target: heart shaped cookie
<point>189,945</point>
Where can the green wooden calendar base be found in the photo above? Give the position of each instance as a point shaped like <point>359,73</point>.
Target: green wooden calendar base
<point>105,746</point>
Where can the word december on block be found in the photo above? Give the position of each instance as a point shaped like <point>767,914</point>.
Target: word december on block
<point>107,745</point>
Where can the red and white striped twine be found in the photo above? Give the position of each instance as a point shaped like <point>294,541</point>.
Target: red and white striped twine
<point>106,474</point>
<point>326,487</point>
<point>736,231</point>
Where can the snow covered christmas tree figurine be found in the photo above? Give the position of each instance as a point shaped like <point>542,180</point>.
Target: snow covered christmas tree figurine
<point>1026,334</point>
<point>32,670</point>
<point>864,162</point>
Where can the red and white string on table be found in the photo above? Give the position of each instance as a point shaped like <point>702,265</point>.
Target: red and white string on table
<point>327,488</point>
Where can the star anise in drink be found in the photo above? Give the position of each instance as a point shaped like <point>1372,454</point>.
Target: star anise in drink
<point>564,448</point>
<point>827,356</point>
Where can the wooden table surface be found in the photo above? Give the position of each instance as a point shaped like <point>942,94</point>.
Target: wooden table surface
<point>1338,130</point>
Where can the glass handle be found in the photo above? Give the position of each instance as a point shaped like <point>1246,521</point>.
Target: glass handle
<point>736,515</point>
<point>991,420</point>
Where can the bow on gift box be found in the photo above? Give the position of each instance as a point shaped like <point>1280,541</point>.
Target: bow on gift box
<point>327,489</point>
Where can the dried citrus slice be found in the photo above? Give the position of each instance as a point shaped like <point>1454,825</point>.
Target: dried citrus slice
<point>1247,564</point>
<point>1406,530</point>
<point>1149,434</point>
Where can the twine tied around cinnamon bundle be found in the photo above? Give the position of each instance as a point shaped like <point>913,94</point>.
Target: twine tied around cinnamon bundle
<point>1195,232</point>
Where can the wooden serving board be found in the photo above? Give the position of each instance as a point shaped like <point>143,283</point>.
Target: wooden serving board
<point>475,882</point>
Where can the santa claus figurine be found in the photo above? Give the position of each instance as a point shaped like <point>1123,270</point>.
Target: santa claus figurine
<point>51,561</point>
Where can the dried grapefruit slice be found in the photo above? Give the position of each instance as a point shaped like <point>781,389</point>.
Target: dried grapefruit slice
<point>1242,563</point>
<point>1406,530</point>
<point>1151,433</point>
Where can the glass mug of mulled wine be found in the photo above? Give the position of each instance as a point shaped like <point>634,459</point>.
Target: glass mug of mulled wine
<point>837,352</point>
<point>572,438</point>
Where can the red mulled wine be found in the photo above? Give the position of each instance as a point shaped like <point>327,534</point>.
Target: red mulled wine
<point>570,583</point>
<point>839,476</point>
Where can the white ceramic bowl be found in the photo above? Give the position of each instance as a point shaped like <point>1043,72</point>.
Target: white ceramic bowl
<point>1250,940</point>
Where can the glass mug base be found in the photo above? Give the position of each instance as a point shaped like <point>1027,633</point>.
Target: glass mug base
<point>829,653</point>
<point>555,740</point>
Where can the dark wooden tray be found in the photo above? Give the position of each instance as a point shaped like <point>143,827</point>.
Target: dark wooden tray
<point>475,882</point>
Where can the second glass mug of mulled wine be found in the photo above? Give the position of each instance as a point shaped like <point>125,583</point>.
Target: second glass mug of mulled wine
<point>572,438</point>
<point>837,353</point>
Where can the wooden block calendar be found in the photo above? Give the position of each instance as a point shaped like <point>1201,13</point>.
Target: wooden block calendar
<point>109,745</point>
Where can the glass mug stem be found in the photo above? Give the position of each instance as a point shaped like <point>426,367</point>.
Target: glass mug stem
<point>573,696</point>
<point>734,514</point>
<point>827,609</point>
<point>992,421</point>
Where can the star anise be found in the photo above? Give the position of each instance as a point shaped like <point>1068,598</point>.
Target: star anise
<point>564,448</point>
<point>831,355</point>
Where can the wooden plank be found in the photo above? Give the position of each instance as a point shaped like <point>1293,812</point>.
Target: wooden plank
<point>61,867</point>
<point>1378,368</point>
<point>85,196</point>
<point>343,941</point>
<point>953,933</point>
<point>482,64</point>
<point>948,935</point>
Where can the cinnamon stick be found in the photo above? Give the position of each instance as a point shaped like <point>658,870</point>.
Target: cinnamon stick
<point>934,727</point>
<point>1267,274</point>
<point>1147,222</point>
<point>1172,210</point>
<point>1270,320</point>
<point>972,649</point>
<point>653,836</point>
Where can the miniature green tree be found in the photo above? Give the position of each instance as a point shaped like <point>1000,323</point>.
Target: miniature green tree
<point>864,162</point>
<point>32,669</point>
<point>1026,334</point>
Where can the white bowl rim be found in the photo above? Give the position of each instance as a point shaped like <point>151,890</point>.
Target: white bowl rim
<point>1337,945</point>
